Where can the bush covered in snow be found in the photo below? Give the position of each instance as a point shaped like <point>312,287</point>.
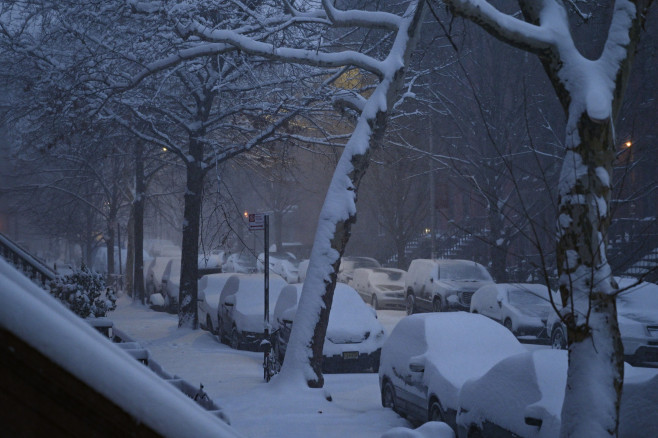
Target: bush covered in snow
<point>84,293</point>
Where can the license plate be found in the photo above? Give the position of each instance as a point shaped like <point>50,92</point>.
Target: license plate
<point>350,355</point>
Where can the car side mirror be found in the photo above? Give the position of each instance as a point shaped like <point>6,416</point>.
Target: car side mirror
<point>201,296</point>
<point>230,301</point>
<point>416,367</point>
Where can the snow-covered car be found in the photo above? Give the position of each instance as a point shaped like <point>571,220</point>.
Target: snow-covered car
<point>161,248</point>
<point>210,287</point>
<point>171,285</point>
<point>283,264</point>
<point>354,335</point>
<point>637,314</point>
<point>383,288</point>
<point>521,307</point>
<point>428,357</point>
<point>441,285</point>
<point>522,396</point>
<point>350,263</point>
<point>242,263</point>
<point>302,268</point>
<point>99,259</point>
<point>212,260</point>
<point>153,272</point>
<point>241,309</point>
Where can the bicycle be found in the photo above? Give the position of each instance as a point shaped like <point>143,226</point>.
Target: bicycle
<point>271,365</point>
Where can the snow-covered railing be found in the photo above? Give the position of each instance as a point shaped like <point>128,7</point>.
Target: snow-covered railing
<point>137,351</point>
<point>24,261</point>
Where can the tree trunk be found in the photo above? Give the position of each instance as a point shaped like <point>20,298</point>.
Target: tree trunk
<point>187,297</point>
<point>130,255</point>
<point>339,210</point>
<point>586,284</point>
<point>109,242</point>
<point>138,224</point>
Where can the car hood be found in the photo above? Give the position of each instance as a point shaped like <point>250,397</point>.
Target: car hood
<point>463,285</point>
<point>642,316</point>
<point>389,287</point>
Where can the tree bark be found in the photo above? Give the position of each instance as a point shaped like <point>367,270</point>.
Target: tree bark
<point>187,297</point>
<point>109,242</point>
<point>586,283</point>
<point>339,210</point>
<point>130,255</point>
<point>138,224</point>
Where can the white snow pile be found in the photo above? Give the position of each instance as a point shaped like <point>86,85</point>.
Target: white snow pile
<point>432,429</point>
<point>41,321</point>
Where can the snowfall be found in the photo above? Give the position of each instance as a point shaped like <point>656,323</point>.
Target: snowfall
<point>348,406</point>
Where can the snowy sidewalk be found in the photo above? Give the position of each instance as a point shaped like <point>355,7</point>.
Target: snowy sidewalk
<point>234,380</point>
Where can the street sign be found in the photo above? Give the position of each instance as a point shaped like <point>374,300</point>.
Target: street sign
<point>256,221</point>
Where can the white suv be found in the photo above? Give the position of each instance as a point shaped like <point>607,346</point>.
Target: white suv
<point>440,285</point>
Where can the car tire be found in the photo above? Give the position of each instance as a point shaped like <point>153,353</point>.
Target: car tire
<point>235,339</point>
<point>410,304</point>
<point>220,331</point>
<point>388,396</point>
<point>508,325</point>
<point>435,412</point>
<point>558,338</point>
<point>374,303</point>
<point>475,432</point>
<point>437,305</point>
<point>277,351</point>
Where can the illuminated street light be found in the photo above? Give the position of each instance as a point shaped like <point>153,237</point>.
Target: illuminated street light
<point>246,214</point>
<point>628,144</point>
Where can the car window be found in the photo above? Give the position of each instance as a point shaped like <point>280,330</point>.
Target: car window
<point>520,297</point>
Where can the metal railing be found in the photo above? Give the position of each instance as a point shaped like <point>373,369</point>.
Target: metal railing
<point>32,267</point>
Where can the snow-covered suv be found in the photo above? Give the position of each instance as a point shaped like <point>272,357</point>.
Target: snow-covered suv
<point>440,285</point>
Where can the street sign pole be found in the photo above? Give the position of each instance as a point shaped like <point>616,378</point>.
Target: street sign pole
<point>267,274</point>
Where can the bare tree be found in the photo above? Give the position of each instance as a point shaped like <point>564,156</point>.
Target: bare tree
<point>591,93</point>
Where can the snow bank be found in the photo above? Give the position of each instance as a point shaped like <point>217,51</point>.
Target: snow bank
<point>432,429</point>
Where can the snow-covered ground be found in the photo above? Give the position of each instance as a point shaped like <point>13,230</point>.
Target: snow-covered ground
<point>234,380</point>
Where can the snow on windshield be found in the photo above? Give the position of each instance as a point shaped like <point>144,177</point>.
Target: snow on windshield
<point>463,271</point>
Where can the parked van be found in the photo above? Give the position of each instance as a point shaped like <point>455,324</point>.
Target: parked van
<point>441,285</point>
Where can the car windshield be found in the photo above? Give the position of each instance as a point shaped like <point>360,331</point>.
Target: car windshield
<point>385,276</point>
<point>247,259</point>
<point>464,271</point>
<point>522,297</point>
<point>364,264</point>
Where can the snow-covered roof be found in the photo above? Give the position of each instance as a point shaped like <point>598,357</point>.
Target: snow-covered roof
<point>40,320</point>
